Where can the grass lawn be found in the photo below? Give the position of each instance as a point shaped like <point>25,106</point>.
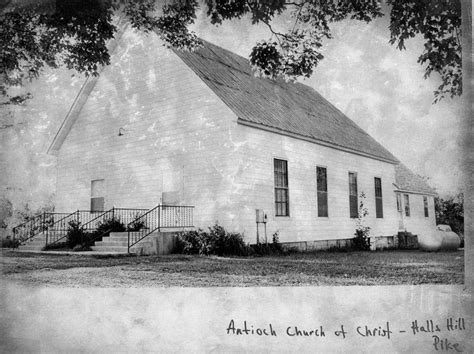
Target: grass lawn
<point>321,268</point>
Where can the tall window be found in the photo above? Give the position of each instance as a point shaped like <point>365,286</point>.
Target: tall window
<point>425,204</point>
<point>97,195</point>
<point>353,208</point>
<point>282,203</point>
<point>407,204</point>
<point>378,197</point>
<point>322,188</point>
<point>399,202</point>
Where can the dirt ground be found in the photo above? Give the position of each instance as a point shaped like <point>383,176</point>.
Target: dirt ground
<point>321,268</point>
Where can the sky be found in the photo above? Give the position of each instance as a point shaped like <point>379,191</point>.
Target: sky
<point>379,87</point>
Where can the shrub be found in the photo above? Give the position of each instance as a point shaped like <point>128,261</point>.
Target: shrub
<point>265,249</point>
<point>136,225</point>
<point>9,243</point>
<point>110,225</point>
<point>188,242</point>
<point>215,242</point>
<point>361,241</point>
<point>56,246</point>
<point>75,234</point>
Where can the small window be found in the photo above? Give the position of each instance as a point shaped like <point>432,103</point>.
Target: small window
<point>322,188</point>
<point>407,204</point>
<point>378,197</point>
<point>425,204</point>
<point>399,202</point>
<point>353,207</point>
<point>97,195</point>
<point>282,203</point>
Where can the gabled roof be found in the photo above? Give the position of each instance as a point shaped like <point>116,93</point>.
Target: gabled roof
<point>406,180</point>
<point>283,107</point>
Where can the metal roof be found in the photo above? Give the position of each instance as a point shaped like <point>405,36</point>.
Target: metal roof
<point>283,107</point>
<point>408,181</point>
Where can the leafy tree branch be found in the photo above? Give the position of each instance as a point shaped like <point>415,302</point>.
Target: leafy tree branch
<point>74,34</point>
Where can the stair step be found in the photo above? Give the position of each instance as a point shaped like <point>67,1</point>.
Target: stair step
<point>111,243</point>
<point>109,249</point>
<point>31,248</point>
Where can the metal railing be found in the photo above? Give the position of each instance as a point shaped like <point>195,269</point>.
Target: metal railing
<point>139,223</point>
<point>95,227</point>
<point>59,229</point>
<point>29,229</point>
<point>158,218</point>
<point>89,222</point>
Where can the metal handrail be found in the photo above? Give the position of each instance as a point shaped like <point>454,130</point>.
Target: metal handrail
<point>29,226</point>
<point>120,213</point>
<point>84,226</point>
<point>60,222</point>
<point>154,222</point>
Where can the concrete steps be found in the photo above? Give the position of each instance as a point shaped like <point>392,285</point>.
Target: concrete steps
<point>118,242</point>
<point>35,244</point>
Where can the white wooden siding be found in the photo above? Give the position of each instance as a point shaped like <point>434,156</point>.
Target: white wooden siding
<point>417,223</point>
<point>174,131</point>
<point>258,148</point>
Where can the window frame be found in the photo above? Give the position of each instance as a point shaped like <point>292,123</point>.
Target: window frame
<point>97,204</point>
<point>322,195</point>
<point>282,208</point>
<point>353,198</point>
<point>406,201</point>
<point>399,202</point>
<point>426,206</point>
<point>378,199</point>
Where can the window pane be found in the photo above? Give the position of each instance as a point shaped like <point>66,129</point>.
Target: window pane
<point>321,179</point>
<point>353,206</point>
<point>281,187</point>
<point>407,204</point>
<point>378,187</point>
<point>322,188</point>
<point>322,204</point>
<point>352,184</point>
<point>425,204</point>
<point>378,197</point>
<point>97,204</point>
<point>97,188</point>
<point>379,207</point>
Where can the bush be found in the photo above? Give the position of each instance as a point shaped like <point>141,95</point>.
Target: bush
<point>188,242</point>
<point>104,228</point>
<point>110,225</point>
<point>9,243</point>
<point>361,241</point>
<point>136,225</point>
<point>217,242</point>
<point>56,246</point>
<point>265,249</point>
<point>75,234</point>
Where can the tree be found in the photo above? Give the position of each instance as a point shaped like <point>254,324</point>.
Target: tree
<point>74,33</point>
<point>450,211</point>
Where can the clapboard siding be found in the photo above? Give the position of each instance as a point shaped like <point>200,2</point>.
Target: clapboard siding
<point>417,223</point>
<point>259,148</point>
<point>173,136</point>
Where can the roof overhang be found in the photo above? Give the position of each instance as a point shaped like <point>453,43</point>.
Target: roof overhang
<point>313,140</point>
<point>401,190</point>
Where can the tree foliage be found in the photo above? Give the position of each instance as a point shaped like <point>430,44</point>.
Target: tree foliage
<point>74,33</point>
<point>450,211</point>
